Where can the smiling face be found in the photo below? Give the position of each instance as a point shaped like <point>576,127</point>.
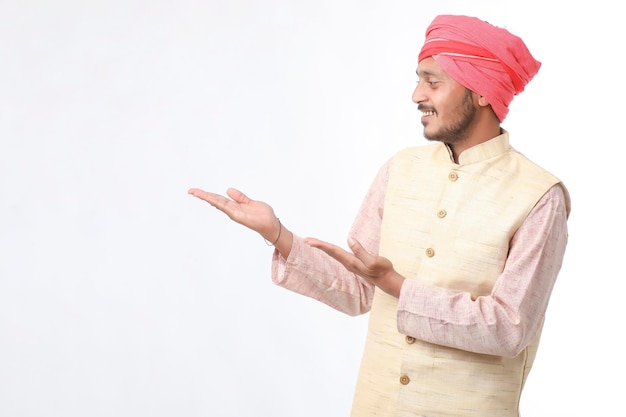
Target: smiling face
<point>449,110</point>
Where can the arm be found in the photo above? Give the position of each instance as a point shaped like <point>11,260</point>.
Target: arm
<point>298,267</point>
<point>507,320</point>
<point>313,273</point>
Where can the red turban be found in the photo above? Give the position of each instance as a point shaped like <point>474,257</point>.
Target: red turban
<point>484,58</point>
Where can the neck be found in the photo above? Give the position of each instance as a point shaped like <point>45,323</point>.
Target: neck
<point>485,126</point>
<point>476,138</point>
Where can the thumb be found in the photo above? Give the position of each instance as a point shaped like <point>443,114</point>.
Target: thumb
<point>237,196</point>
<point>367,259</point>
<point>358,249</point>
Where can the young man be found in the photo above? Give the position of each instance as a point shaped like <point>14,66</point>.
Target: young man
<point>456,247</point>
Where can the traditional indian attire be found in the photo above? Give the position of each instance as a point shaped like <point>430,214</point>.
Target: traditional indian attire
<point>481,258</point>
<point>480,243</point>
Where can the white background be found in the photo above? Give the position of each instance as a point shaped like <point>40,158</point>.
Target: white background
<point>120,295</point>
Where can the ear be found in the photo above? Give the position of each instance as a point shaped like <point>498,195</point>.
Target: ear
<point>482,101</point>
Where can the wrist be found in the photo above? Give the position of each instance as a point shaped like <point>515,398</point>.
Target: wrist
<point>393,284</point>
<point>278,234</point>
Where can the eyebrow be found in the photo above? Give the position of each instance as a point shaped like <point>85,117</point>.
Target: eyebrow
<point>424,73</point>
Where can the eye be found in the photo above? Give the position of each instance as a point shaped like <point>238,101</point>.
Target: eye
<point>430,83</point>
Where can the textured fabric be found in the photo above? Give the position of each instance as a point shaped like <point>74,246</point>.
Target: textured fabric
<point>484,58</point>
<point>497,325</point>
<point>457,241</point>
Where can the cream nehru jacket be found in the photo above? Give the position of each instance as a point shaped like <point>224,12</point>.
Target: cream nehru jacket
<point>450,225</point>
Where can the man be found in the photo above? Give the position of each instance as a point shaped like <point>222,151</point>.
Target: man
<point>455,249</point>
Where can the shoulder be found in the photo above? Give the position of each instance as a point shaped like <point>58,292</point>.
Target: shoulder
<point>531,166</point>
<point>557,192</point>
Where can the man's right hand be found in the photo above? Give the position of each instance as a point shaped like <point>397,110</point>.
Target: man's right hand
<point>255,215</point>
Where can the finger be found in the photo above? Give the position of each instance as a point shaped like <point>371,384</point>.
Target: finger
<point>238,196</point>
<point>195,191</point>
<point>359,251</point>
<point>202,195</point>
<point>218,201</point>
<point>319,244</point>
<point>344,257</point>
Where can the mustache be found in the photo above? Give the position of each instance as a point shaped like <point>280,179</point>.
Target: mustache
<point>423,108</point>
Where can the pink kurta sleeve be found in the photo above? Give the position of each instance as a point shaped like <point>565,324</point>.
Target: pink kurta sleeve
<point>507,320</point>
<point>311,272</point>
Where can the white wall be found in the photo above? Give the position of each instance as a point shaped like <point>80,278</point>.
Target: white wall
<point>122,296</point>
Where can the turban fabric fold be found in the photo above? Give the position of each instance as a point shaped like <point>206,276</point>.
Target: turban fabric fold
<point>487,59</point>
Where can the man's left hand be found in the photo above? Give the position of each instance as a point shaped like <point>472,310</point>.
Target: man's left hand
<point>376,269</point>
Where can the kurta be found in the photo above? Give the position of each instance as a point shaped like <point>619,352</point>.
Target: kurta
<point>450,230</point>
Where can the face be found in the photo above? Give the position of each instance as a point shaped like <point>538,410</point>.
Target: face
<point>448,109</point>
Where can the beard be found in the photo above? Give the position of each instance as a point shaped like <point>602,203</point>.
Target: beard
<point>459,129</point>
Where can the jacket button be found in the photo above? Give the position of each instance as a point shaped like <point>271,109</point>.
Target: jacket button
<point>442,213</point>
<point>410,340</point>
<point>404,380</point>
<point>453,176</point>
<point>430,252</point>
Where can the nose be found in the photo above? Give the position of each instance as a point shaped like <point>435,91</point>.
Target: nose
<point>418,95</point>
